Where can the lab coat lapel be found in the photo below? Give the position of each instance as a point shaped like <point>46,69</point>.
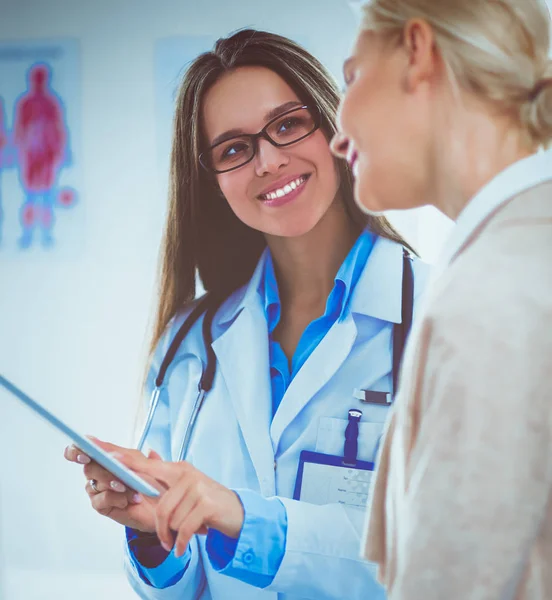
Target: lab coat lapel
<point>318,369</point>
<point>377,294</point>
<point>242,355</point>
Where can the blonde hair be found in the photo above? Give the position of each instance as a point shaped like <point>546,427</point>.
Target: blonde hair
<point>497,49</point>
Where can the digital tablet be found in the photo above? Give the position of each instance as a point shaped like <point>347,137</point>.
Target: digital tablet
<point>104,459</point>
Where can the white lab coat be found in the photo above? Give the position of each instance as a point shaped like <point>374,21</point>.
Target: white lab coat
<point>238,443</point>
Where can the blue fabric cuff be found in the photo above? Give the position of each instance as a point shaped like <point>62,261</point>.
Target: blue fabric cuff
<point>167,573</point>
<point>256,555</point>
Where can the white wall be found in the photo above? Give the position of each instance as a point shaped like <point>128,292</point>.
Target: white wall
<point>72,329</point>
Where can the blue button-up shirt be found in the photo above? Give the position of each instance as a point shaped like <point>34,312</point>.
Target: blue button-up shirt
<point>249,558</point>
<point>336,305</point>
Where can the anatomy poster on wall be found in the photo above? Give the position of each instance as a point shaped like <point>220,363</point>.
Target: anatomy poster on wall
<point>40,208</point>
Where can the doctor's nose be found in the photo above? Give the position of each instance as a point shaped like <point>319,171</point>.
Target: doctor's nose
<point>269,158</point>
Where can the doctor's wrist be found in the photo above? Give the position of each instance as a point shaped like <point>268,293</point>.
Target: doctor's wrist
<point>232,515</point>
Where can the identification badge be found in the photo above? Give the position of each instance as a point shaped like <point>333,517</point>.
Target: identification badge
<point>325,479</point>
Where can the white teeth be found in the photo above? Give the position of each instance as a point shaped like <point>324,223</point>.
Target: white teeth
<point>279,193</point>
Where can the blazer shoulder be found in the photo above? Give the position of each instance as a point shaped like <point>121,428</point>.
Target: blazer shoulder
<point>531,206</point>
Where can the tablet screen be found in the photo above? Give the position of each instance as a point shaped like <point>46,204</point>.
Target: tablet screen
<point>104,459</point>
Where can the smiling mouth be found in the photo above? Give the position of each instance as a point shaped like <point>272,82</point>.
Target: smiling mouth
<point>284,190</point>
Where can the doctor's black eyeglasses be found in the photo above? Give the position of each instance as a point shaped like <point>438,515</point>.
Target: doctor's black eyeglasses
<point>288,128</point>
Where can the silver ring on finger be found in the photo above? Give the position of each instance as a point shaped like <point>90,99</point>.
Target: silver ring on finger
<point>94,485</point>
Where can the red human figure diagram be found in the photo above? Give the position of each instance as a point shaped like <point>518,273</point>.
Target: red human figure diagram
<point>3,159</point>
<point>41,140</point>
<point>3,132</point>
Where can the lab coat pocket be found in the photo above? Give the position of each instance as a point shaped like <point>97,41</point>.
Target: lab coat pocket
<point>331,438</point>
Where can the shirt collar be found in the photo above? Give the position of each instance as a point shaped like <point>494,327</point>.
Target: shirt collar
<point>383,272</point>
<point>268,290</point>
<point>518,177</point>
<point>245,296</point>
<point>348,275</point>
<point>353,265</point>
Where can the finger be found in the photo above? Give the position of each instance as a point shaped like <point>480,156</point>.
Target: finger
<point>100,487</point>
<point>176,498</point>
<point>181,512</point>
<point>118,500</point>
<point>105,502</point>
<point>74,454</point>
<point>166,473</point>
<point>193,523</point>
<point>153,455</point>
<point>113,449</point>
<point>105,480</point>
<point>109,447</point>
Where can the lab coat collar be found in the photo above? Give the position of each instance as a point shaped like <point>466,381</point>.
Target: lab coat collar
<point>383,272</point>
<point>378,291</point>
<point>378,294</point>
<point>512,181</point>
<point>248,295</point>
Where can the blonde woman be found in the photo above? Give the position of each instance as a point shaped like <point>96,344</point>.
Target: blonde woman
<point>449,102</point>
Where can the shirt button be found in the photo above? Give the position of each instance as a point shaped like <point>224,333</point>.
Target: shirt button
<point>275,465</point>
<point>248,557</point>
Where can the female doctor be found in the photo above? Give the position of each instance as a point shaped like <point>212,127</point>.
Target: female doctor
<point>305,296</point>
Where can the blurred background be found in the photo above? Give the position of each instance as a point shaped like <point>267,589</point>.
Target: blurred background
<point>78,246</point>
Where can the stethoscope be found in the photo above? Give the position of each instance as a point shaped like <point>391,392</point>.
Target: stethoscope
<point>209,306</point>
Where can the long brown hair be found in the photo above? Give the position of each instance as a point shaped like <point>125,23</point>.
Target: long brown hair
<point>202,234</point>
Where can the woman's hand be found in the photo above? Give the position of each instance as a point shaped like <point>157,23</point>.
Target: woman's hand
<point>112,498</point>
<point>193,502</point>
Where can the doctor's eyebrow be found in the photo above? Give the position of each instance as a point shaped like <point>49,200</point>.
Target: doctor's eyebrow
<point>271,114</point>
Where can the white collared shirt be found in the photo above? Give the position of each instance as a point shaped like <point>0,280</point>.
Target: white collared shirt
<point>518,177</point>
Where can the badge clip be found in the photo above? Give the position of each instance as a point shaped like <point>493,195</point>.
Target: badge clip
<point>350,449</point>
<point>371,397</point>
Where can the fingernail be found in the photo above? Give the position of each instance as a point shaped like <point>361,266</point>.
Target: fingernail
<point>117,486</point>
<point>116,455</point>
<point>166,546</point>
<point>83,459</point>
<point>178,553</point>
<point>137,498</point>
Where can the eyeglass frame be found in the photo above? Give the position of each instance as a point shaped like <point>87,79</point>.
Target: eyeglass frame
<point>254,137</point>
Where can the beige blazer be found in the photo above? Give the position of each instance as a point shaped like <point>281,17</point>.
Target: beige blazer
<point>462,504</point>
